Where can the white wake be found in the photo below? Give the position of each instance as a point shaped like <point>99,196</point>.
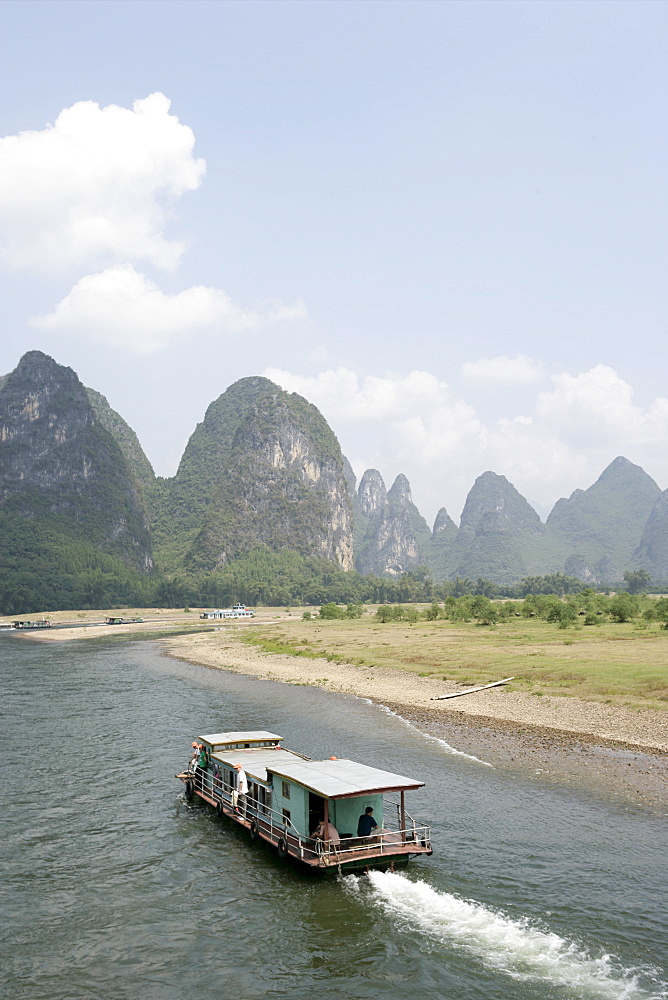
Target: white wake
<point>427,736</point>
<point>514,947</point>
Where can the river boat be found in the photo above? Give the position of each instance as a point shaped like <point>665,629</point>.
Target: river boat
<point>41,623</point>
<point>291,796</point>
<point>122,621</point>
<point>236,611</point>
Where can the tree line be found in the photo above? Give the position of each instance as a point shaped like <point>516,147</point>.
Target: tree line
<point>40,573</point>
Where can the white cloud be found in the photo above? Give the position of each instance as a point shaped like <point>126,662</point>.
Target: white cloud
<point>597,406</point>
<point>96,187</point>
<point>122,307</point>
<point>418,425</point>
<point>520,370</point>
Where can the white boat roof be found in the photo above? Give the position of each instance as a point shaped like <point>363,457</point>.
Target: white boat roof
<point>255,761</point>
<point>220,739</point>
<point>340,779</point>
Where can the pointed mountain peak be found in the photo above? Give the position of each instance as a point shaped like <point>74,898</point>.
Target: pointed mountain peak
<point>39,368</point>
<point>443,522</point>
<point>492,494</point>
<point>621,470</point>
<point>400,490</point>
<point>372,493</point>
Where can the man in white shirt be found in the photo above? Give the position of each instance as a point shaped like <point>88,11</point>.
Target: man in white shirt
<point>241,791</point>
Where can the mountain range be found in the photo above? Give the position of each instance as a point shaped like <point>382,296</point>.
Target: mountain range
<point>264,469</point>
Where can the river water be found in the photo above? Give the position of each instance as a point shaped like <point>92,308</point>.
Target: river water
<point>115,888</point>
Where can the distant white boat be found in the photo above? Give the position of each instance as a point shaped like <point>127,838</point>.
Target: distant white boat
<point>236,611</point>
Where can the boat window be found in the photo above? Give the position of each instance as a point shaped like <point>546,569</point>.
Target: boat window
<point>286,814</point>
<point>285,788</point>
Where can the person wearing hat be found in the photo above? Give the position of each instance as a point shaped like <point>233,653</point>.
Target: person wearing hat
<point>241,791</point>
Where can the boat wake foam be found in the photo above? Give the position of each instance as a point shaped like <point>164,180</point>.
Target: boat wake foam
<point>514,947</point>
<point>434,739</point>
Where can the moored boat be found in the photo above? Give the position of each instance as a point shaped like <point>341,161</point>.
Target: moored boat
<point>332,815</point>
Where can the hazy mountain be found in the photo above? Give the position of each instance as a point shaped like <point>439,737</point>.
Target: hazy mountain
<point>393,536</point>
<point>596,531</point>
<point>652,551</point>
<point>497,529</point>
<point>440,545</point>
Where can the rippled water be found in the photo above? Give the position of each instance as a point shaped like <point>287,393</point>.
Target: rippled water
<point>115,888</point>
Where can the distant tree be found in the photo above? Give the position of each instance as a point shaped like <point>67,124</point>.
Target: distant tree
<point>623,607</point>
<point>636,580</point>
<point>484,587</point>
<point>461,586</point>
<point>331,610</point>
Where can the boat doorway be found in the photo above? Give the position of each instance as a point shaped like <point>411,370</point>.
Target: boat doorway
<point>316,810</point>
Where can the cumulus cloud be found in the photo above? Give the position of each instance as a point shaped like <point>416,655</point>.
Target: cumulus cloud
<point>418,425</point>
<point>96,187</point>
<point>122,307</point>
<point>597,405</point>
<point>520,370</point>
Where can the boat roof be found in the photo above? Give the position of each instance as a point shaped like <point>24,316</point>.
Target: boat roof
<point>220,739</point>
<point>256,760</point>
<point>341,778</point>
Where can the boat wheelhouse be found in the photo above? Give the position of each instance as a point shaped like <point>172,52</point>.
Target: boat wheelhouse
<point>290,797</point>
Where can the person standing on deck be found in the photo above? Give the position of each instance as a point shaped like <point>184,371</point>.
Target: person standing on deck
<point>241,791</point>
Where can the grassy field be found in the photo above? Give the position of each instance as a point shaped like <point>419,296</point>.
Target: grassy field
<point>625,664</point>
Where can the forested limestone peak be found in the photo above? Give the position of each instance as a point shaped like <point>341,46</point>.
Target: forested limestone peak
<point>281,484</point>
<point>601,526</point>
<point>494,500</point>
<point>400,490</point>
<point>62,471</point>
<point>444,523</point>
<point>372,493</point>
<point>652,551</point>
<point>125,437</point>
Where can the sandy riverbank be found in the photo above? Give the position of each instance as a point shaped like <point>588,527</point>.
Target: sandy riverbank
<point>644,728</point>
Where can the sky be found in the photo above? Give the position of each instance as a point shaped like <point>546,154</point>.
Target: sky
<point>443,223</point>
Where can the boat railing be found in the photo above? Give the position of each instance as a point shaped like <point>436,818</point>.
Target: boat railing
<point>281,831</point>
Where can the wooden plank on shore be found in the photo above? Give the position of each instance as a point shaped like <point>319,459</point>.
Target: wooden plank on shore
<point>483,687</point>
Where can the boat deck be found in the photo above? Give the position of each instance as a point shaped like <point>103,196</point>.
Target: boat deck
<point>386,848</point>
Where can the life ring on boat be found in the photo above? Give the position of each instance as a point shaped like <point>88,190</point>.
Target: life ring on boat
<point>190,790</point>
<point>254,830</point>
<point>282,848</point>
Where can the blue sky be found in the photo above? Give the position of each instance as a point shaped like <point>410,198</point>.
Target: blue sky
<point>442,223</point>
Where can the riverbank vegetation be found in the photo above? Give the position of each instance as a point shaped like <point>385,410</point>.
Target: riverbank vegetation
<point>621,659</point>
<point>37,574</point>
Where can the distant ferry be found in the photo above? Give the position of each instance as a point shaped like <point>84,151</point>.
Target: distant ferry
<point>122,621</point>
<point>41,623</point>
<point>328,815</point>
<point>236,611</point>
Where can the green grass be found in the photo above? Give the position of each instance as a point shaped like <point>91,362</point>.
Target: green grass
<point>616,663</point>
